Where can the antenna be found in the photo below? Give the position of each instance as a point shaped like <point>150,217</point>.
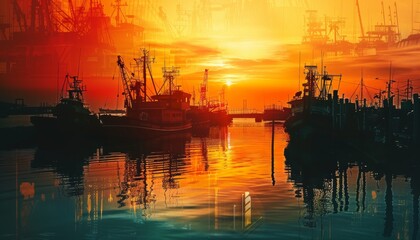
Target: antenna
<point>361,86</point>
<point>164,58</point>
<point>390,81</point>
<point>299,71</point>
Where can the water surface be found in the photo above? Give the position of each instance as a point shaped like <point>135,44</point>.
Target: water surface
<point>227,184</point>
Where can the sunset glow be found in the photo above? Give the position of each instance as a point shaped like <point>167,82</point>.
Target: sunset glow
<point>228,82</point>
<point>254,47</point>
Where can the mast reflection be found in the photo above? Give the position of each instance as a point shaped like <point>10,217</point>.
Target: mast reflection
<point>145,161</point>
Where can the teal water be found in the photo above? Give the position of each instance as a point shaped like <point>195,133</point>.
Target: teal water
<point>226,184</point>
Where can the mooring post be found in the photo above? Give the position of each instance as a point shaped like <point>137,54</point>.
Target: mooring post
<point>334,108</point>
<point>364,115</point>
<point>272,153</point>
<point>341,113</point>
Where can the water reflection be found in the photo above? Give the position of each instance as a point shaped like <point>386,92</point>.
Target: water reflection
<point>320,177</point>
<point>415,185</point>
<point>143,162</point>
<point>216,185</point>
<point>67,160</point>
<point>145,176</point>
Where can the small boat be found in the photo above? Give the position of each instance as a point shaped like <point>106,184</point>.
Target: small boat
<point>149,115</point>
<point>311,114</point>
<point>70,117</point>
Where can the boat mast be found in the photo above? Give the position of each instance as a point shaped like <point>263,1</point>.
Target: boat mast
<point>169,74</point>
<point>76,88</point>
<point>126,83</point>
<point>309,86</point>
<point>145,62</point>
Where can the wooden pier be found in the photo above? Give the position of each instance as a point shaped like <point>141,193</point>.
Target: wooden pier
<point>275,113</point>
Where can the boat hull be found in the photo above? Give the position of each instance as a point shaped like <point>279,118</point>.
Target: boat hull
<point>122,126</point>
<point>47,127</point>
<point>305,128</point>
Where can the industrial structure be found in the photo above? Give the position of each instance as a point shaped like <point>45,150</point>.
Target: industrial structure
<point>60,35</point>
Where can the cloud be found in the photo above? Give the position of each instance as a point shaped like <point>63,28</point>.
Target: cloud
<point>191,50</point>
<point>247,63</point>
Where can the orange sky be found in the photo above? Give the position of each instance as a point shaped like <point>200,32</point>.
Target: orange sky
<point>252,48</point>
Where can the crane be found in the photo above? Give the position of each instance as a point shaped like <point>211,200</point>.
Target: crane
<point>131,86</point>
<point>20,16</point>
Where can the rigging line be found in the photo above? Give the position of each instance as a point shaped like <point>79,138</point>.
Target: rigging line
<point>378,89</point>
<point>355,91</point>
<point>370,97</point>
<point>78,66</point>
<point>358,83</point>
<point>339,83</point>
<point>354,83</point>
<point>65,82</point>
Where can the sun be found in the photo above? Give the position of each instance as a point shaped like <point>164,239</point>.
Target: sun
<point>228,82</point>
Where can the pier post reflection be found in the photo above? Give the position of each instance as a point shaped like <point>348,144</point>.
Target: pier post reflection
<point>364,190</point>
<point>340,189</point>
<point>272,153</point>
<point>415,190</point>
<point>389,218</point>
<point>334,193</point>
<point>361,178</point>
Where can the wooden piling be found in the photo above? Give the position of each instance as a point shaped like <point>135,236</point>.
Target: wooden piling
<point>334,109</point>
<point>341,106</point>
<point>272,153</point>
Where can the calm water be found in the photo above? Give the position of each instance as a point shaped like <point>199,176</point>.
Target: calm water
<point>224,185</point>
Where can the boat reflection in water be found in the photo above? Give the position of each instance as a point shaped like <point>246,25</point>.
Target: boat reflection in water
<point>67,163</point>
<point>146,164</point>
<point>226,183</point>
<point>323,178</point>
<point>133,182</point>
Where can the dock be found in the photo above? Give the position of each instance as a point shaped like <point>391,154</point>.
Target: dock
<point>272,112</point>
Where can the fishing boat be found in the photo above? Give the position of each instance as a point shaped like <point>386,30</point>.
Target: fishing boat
<point>209,112</point>
<point>149,115</point>
<point>70,117</point>
<point>312,113</point>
